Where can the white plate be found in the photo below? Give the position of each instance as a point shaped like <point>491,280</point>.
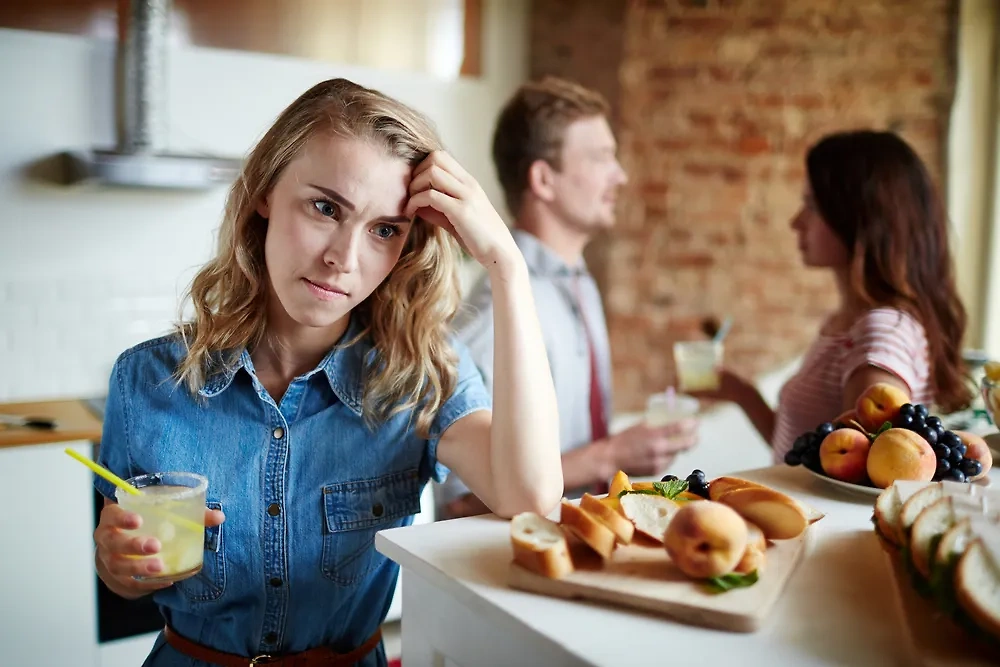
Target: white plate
<point>871,490</point>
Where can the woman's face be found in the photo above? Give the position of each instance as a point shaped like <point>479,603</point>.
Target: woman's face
<point>818,243</point>
<point>335,227</point>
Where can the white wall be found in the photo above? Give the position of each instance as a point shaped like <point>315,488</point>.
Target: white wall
<point>85,272</point>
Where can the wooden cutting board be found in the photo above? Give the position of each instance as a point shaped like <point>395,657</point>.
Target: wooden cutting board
<point>935,640</point>
<point>644,578</point>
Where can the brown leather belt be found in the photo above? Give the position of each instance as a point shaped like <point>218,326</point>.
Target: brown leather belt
<point>321,656</point>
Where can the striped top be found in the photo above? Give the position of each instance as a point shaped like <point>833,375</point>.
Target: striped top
<point>885,338</point>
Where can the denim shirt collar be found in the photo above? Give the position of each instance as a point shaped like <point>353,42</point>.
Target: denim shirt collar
<point>344,367</point>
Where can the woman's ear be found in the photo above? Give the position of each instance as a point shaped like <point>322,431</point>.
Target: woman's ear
<point>541,180</point>
<point>264,206</point>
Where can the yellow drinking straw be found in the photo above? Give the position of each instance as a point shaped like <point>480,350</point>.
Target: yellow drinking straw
<point>105,473</point>
<point>128,488</point>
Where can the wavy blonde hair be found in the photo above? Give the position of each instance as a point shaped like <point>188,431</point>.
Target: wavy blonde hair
<point>406,317</point>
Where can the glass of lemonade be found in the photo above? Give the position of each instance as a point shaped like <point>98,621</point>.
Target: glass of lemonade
<point>698,363</point>
<point>172,507</point>
<point>666,408</point>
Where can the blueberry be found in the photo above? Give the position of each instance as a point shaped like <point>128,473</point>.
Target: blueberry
<point>697,473</point>
<point>929,434</point>
<point>921,410</point>
<point>971,467</point>
<point>933,422</point>
<point>955,475</point>
<point>905,421</point>
<point>907,409</point>
<point>961,447</point>
<point>793,458</point>
<point>950,438</point>
<point>825,429</point>
<point>955,458</point>
<point>669,478</point>
<point>943,452</point>
<point>943,467</point>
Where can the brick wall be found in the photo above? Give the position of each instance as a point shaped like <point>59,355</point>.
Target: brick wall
<point>716,102</point>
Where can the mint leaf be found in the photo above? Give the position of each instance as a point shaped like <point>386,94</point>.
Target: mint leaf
<point>671,489</point>
<point>728,582</point>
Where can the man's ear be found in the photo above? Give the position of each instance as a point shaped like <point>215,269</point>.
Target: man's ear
<point>541,180</point>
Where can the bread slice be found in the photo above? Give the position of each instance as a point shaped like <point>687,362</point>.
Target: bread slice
<point>912,508</point>
<point>777,515</point>
<point>953,543</point>
<point>619,525</point>
<point>720,486</point>
<point>887,508</point>
<point>650,514</point>
<point>588,528</point>
<point>977,586</point>
<point>937,519</point>
<point>540,545</point>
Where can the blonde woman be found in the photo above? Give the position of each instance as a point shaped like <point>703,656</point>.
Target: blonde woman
<point>318,391</point>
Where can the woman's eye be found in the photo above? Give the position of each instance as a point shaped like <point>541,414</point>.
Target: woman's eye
<point>326,208</point>
<point>386,231</point>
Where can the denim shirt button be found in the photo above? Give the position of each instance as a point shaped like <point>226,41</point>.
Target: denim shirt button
<point>270,637</point>
<point>278,433</point>
<point>274,509</point>
<point>378,510</point>
<point>276,582</point>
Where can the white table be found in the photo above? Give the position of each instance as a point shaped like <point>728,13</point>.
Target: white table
<point>839,608</point>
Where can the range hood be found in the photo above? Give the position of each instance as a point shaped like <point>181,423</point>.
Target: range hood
<point>140,159</point>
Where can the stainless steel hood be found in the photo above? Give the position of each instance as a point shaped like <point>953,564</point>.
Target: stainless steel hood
<point>140,159</point>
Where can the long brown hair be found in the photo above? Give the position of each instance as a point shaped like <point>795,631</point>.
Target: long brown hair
<point>877,196</point>
<point>406,317</point>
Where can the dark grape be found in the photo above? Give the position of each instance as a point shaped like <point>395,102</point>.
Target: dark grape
<point>950,438</point>
<point>697,473</point>
<point>825,429</point>
<point>955,475</point>
<point>943,467</point>
<point>961,447</point>
<point>918,423</point>
<point>907,409</point>
<point>955,457</point>
<point>801,444</point>
<point>669,478</point>
<point>943,452</point>
<point>905,421</point>
<point>933,422</point>
<point>811,460</point>
<point>929,434</point>
<point>793,458</point>
<point>921,410</point>
<point>971,467</point>
<point>813,441</point>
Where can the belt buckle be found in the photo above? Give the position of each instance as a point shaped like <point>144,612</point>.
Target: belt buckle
<point>262,659</point>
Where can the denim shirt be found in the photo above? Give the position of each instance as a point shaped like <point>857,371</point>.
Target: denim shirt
<point>304,485</point>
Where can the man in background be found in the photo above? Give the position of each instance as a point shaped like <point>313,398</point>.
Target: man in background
<point>556,159</point>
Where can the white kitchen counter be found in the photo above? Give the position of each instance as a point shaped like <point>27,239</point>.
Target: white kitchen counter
<point>838,609</point>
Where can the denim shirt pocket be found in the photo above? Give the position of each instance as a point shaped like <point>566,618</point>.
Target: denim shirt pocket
<point>210,582</point>
<point>354,512</point>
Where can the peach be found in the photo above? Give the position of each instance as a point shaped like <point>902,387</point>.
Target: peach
<point>900,454</point>
<point>706,539</point>
<point>844,455</point>
<point>976,448</point>
<point>878,404</point>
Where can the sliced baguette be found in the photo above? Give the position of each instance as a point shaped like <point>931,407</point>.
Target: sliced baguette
<point>977,587</point>
<point>540,545</point>
<point>887,509</point>
<point>912,508</point>
<point>588,528</point>
<point>778,516</point>
<point>720,486</point>
<point>650,514</point>
<point>619,525</point>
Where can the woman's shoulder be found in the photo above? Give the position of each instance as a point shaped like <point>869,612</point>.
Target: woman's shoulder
<point>156,357</point>
<point>888,322</point>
